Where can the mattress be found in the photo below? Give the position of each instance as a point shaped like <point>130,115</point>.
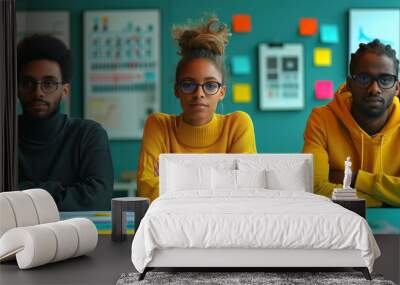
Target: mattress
<point>250,219</point>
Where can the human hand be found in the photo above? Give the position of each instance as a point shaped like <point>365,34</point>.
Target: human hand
<point>336,176</point>
<point>353,179</point>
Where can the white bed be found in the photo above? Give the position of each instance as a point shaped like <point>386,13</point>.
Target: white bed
<point>242,210</point>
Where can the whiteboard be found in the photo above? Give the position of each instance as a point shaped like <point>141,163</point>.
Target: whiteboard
<point>368,24</point>
<point>121,69</point>
<point>55,23</point>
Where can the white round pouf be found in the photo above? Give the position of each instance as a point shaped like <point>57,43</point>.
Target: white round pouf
<point>45,206</point>
<point>7,217</point>
<point>23,208</point>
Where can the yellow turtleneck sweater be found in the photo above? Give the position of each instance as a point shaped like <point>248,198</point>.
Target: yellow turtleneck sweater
<point>232,133</point>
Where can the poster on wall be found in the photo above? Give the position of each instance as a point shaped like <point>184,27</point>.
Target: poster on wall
<point>281,74</point>
<point>55,23</point>
<point>122,69</point>
<point>368,24</point>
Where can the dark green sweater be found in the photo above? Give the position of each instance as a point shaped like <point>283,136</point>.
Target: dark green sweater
<point>70,158</point>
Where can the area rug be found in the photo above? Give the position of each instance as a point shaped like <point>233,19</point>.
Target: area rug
<point>269,278</point>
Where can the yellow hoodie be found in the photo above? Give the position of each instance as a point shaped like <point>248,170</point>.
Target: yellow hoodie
<point>332,134</point>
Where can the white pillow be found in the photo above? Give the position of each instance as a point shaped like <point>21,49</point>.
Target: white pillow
<point>251,178</point>
<point>224,179</point>
<point>281,174</point>
<point>292,178</point>
<point>234,179</point>
<point>182,177</point>
<point>201,161</point>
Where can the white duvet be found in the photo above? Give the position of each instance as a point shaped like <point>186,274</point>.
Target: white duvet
<point>250,218</point>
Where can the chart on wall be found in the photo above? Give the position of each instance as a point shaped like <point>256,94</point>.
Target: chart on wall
<point>122,69</point>
<point>368,24</point>
<point>281,76</point>
<point>55,23</point>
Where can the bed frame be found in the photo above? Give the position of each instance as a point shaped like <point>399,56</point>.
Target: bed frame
<point>242,259</point>
<point>246,259</point>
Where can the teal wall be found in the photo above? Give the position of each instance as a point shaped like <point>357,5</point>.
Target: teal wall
<point>273,21</point>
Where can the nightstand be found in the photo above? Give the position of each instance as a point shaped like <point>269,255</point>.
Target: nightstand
<point>119,208</point>
<point>355,205</point>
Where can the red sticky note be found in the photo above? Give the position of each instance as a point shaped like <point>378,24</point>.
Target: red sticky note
<point>323,89</point>
<point>241,23</point>
<point>308,26</point>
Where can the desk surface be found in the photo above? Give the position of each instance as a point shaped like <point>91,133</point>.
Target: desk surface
<point>102,266</point>
<point>111,259</point>
<point>384,221</point>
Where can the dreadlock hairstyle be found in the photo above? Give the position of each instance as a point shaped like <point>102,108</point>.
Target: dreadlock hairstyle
<point>377,47</point>
<point>204,40</point>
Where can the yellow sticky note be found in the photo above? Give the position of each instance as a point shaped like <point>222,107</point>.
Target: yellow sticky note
<point>322,57</point>
<point>241,93</point>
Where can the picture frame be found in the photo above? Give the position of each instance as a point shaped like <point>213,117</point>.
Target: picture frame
<point>122,69</point>
<point>385,27</point>
<point>281,77</point>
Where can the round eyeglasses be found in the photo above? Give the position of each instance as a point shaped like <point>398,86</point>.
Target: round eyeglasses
<point>48,86</point>
<point>385,81</point>
<point>208,87</point>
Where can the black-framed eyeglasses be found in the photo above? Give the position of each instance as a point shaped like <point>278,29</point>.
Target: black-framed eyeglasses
<point>385,81</point>
<point>189,87</point>
<point>47,85</point>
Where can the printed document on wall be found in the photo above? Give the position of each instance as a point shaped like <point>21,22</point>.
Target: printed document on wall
<point>281,71</point>
<point>122,69</point>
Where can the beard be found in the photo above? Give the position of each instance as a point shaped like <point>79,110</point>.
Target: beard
<point>373,112</point>
<point>52,108</point>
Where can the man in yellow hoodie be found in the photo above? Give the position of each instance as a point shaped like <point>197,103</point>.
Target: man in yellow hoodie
<point>363,122</point>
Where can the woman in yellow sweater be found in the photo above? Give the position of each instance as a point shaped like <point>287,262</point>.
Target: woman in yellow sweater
<point>199,86</point>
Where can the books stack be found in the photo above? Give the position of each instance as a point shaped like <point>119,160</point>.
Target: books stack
<point>101,219</point>
<point>344,194</point>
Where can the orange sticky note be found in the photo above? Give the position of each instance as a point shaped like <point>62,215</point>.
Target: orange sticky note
<point>323,89</point>
<point>241,23</point>
<point>308,26</point>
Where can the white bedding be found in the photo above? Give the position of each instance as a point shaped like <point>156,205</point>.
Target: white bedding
<point>251,218</point>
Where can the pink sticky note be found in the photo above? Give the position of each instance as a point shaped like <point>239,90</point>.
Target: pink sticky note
<point>323,89</point>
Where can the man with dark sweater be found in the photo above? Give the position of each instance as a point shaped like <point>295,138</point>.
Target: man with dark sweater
<point>70,158</point>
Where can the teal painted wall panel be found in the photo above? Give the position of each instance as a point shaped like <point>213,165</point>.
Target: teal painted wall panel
<point>272,21</point>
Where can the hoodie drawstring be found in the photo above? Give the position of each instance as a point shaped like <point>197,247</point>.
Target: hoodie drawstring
<point>362,151</point>
<point>381,155</point>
